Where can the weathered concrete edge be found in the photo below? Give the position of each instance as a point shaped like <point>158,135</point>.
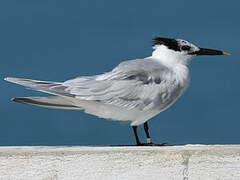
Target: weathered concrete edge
<point>69,149</point>
<point>124,162</point>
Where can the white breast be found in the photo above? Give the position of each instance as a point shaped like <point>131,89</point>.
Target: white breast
<point>176,63</point>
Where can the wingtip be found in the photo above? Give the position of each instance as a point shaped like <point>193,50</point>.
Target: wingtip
<point>9,79</point>
<point>13,99</point>
<point>17,99</point>
<point>5,79</point>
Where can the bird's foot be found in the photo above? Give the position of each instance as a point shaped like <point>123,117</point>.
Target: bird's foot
<point>151,144</point>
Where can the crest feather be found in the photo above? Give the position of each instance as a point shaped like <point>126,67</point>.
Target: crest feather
<point>170,43</point>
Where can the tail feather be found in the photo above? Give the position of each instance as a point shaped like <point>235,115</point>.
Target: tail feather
<point>54,102</point>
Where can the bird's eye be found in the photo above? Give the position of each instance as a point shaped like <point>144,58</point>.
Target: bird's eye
<point>185,48</point>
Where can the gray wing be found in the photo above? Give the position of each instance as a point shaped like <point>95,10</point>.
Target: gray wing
<point>55,88</point>
<point>141,84</point>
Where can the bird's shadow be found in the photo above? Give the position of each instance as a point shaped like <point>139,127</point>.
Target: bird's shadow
<point>155,145</point>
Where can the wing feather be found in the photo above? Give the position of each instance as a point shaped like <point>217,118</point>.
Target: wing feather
<point>133,84</point>
<point>143,84</point>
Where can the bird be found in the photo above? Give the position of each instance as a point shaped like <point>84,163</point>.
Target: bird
<point>134,91</point>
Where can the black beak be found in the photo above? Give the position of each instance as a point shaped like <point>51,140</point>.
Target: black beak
<point>204,51</point>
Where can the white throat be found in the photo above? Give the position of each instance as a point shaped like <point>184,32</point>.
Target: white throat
<point>170,57</point>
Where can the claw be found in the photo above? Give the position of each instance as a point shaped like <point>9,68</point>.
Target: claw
<point>152,144</point>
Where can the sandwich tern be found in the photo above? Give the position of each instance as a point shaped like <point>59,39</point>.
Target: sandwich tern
<point>134,91</point>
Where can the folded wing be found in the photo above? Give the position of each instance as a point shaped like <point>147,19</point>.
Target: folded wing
<point>139,84</point>
<point>136,84</point>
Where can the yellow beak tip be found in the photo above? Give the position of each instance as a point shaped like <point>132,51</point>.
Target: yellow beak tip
<point>225,53</point>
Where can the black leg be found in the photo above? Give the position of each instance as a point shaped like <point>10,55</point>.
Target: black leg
<point>149,140</point>
<point>136,135</point>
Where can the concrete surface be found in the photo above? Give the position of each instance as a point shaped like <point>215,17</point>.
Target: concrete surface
<point>119,163</point>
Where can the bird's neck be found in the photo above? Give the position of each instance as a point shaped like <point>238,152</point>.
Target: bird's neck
<point>170,57</point>
<point>175,61</point>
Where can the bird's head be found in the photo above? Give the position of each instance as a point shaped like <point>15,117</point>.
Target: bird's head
<point>179,50</point>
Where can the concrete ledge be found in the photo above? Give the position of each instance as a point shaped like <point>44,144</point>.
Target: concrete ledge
<point>128,162</point>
